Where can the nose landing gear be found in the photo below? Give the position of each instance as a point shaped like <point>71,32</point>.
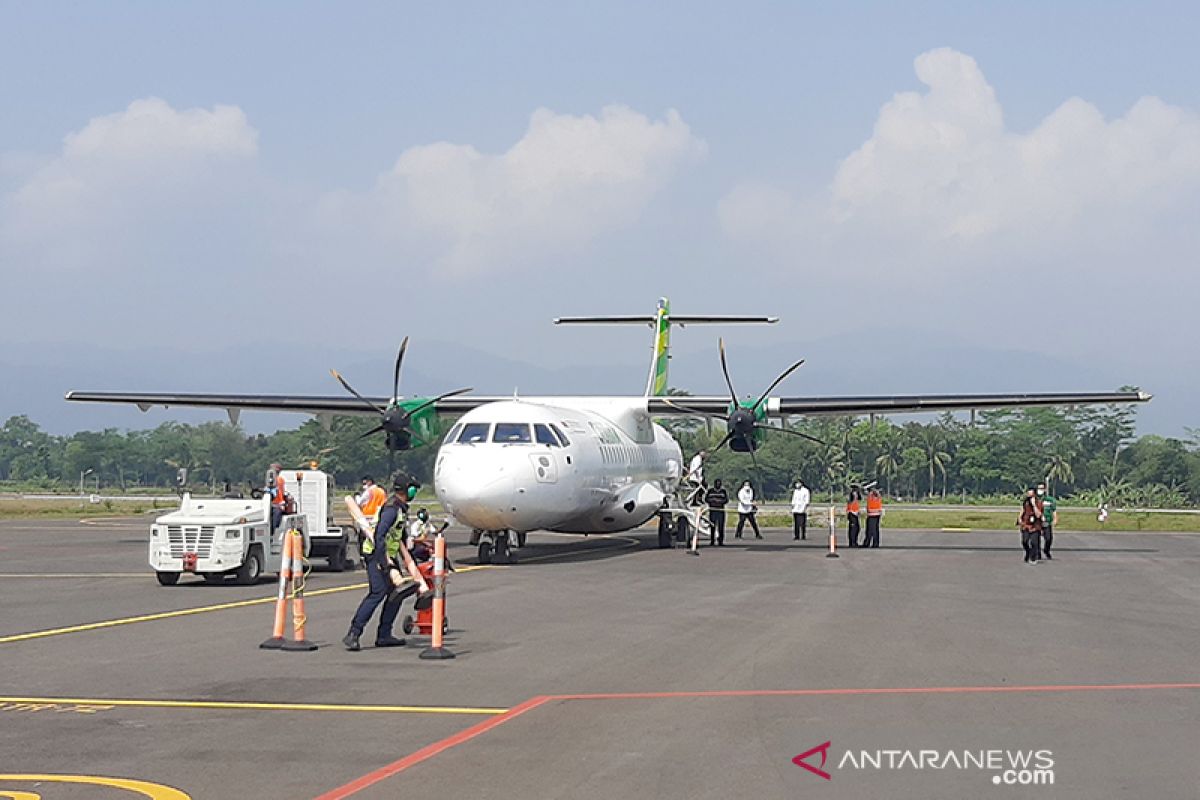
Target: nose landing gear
<point>495,547</point>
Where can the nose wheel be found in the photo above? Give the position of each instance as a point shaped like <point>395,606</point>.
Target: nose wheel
<point>495,547</point>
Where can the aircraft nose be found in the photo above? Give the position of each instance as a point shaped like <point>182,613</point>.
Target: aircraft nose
<point>477,492</point>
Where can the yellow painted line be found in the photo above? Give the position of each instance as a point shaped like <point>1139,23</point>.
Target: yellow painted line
<point>152,790</point>
<point>252,706</point>
<point>184,612</point>
<point>73,574</point>
<point>112,623</point>
<point>956,530</point>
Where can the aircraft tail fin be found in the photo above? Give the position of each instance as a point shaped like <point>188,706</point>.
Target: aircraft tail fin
<point>661,322</point>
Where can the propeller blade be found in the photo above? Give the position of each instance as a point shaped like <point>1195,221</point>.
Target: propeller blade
<point>434,400</point>
<point>725,369</point>
<point>351,390</point>
<point>791,432</point>
<point>693,411</point>
<point>776,382</point>
<point>396,374</point>
<point>371,432</point>
<point>720,444</point>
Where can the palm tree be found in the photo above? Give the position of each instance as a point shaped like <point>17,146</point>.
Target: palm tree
<point>887,463</point>
<point>937,458</point>
<point>1058,468</point>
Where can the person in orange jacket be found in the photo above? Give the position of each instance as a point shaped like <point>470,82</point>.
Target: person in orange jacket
<point>874,516</point>
<point>853,506</point>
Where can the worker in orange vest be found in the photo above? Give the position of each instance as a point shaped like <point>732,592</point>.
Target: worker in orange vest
<point>278,496</point>
<point>874,515</point>
<point>853,506</point>
<point>371,499</point>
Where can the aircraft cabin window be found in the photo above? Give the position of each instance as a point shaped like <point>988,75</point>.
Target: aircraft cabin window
<point>511,433</point>
<point>453,434</point>
<point>542,435</point>
<point>562,437</point>
<point>474,432</point>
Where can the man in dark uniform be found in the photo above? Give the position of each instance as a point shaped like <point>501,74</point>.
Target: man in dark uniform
<point>716,498</point>
<point>378,581</point>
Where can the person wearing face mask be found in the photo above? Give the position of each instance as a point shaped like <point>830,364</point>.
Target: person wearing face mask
<point>800,499</point>
<point>1030,523</point>
<point>1049,519</point>
<point>747,511</point>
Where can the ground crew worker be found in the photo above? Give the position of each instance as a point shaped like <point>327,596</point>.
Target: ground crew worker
<point>800,499</point>
<point>375,553</point>
<point>371,498</point>
<point>1049,519</point>
<point>853,506</point>
<point>1030,523</point>
<point>278,496</point>
<point>419,530</point>
<point>747,511</point>
<point>716,498</point>
<point>874,517</point>
<point>666,526</point>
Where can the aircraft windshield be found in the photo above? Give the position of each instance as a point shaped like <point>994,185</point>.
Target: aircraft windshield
<point>474,432</point>
<point>452,435</point>
<point>542,435</point>
<point>512,433</point>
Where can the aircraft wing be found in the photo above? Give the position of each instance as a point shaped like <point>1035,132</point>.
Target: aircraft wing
<point>303,404</point>
<point>893,404</point>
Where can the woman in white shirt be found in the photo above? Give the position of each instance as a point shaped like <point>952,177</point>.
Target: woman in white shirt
<point>747,511</point>
<point>800,498</point>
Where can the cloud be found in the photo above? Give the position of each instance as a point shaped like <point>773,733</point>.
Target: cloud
<point>567,180</point>
<point>941,167</point>
<point>122,173</point>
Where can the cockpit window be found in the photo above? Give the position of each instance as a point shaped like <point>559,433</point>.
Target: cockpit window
<point>542,435</point>
<point>453,434</point>
<point>562,437</point>
<point>511,433</point>
<point>474,432</point>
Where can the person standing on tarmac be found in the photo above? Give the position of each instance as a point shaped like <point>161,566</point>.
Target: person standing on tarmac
<point>853,506</point>
<point>378,581</point>
<point>1049,519</point>
<point>716,498</point>
<point>1030,523</point>
<point>800,499</point>
<point>747,511</point>
<point>874,517</point>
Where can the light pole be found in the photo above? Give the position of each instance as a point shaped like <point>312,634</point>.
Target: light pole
<point>82,475</point>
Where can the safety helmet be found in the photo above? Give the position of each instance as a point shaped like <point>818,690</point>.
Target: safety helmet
<point>423,515</point>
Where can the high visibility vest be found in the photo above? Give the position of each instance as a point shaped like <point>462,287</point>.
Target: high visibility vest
<point>375,501</point>
<point>278,499</point>
<point>874,506</point>
<point>852,507</point>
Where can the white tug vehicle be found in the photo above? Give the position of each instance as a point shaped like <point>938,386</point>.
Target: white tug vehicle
<point>221,537</point>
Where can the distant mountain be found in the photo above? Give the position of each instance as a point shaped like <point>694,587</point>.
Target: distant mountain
<point>37,376</point>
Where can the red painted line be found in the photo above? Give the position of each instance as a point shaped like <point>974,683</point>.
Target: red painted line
<point>434,749</point>
<point>425,753</point>
<point>884,691</point>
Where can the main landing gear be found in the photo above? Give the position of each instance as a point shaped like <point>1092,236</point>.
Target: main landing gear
<point>496,547</point>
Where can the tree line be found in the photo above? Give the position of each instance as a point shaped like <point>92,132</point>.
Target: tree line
<point>1089,454</point>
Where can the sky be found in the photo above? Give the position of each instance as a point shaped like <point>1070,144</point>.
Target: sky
<point>226,176</point>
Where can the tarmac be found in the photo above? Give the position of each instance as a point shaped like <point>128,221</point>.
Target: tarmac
<point>603,667</point>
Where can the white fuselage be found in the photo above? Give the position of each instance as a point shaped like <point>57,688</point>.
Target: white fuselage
<point>577,465</point>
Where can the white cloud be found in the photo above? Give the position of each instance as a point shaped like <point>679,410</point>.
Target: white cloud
<point>121,172</point>
<point>940,166</point>
<point>567,180</point>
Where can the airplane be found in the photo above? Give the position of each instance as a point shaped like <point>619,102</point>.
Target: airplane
<point>579,464</point>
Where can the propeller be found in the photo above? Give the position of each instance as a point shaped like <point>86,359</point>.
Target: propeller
<point>395,421</point>
<point>742,421</point>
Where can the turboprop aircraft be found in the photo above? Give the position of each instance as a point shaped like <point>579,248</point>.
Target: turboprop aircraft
<point>579,464</point>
